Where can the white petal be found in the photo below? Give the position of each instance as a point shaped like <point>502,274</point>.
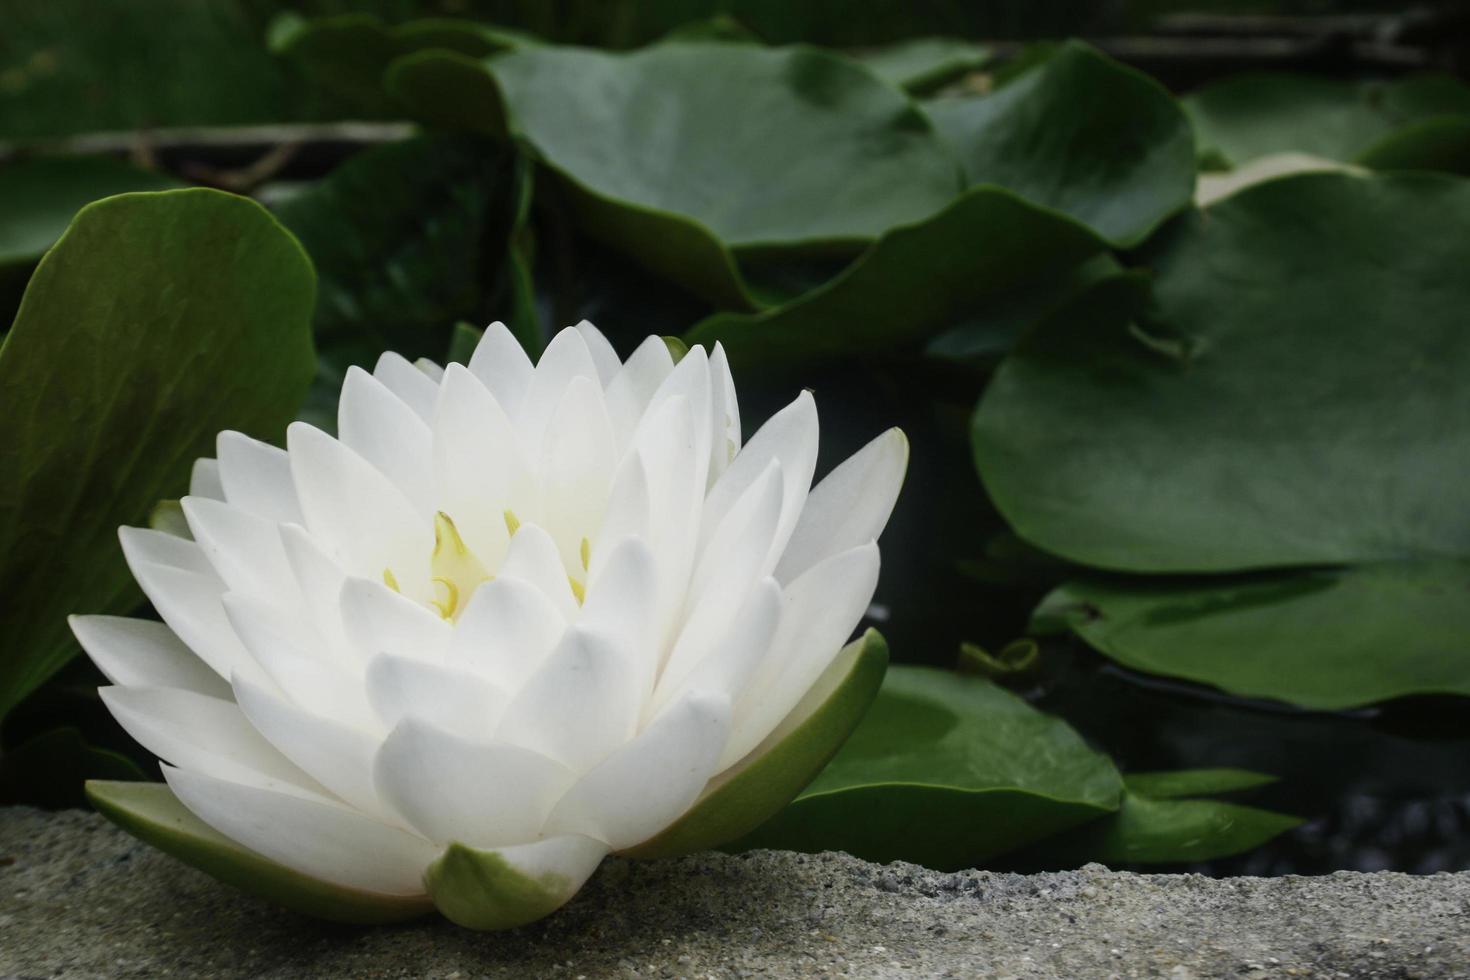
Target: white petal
<point>141,544</point>
<point>621,605</point>
<point>724,414</point>
<point>629,512</point>
<point>502,366</point>
<point>575,468</point>
<point>190,603</point>
<point>257,477</point>
<point>789,436</point>
<point>338,757</point>
<point>459,701</point>
<point>633,387</point>
<point>739,555</point>
<point>648,783</point>
<point>415,388</point>
<point>204,480</point>
<point>534,558</point>
<point>317,838</point>
<point>379,620</point>
<point>142,653</point>
<point>453,789</point>
<point>823,607</point>
<point>481,470</point>
<point>566,357</point>
<point>290,652</point>
<point>850,506</point>
<point>244,550</point>
<point>603,356</point>
<point>668,448</point>
<point>721,655</point>
<point>319,581</point>
<point>582,703</point>
<point>201,733</point>
<point>433,369</point>
<point>382,429</point>
<point>507,631</point>
<point>357,511</point>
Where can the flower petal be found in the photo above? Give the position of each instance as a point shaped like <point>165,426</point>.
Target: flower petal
<point>823,607</point>
<point>718,654</point>
<point>243,549</point>
<point>204,480</point>
<point>257,477</point>
<point>565,358</point>
<point>379,620</point>
<point>575,469</point>
<point>789,436</point>
<point>478,793</point>
<point>502,367</point>
<point>362,516</point>
<point>508,630</point>
<point>633,387</point>
<point>202,734</point>
<point>603,356</point>
<point>534,558</point>
<point>459,701</point>
<point>724,414</point>
<point>646,784</point>
<point>142,653</point>
<point>382,429</point>
<point>849,506</point>
<point>481,470</point>
<point>314,836</point>
<point>579,705</point>
<point>415,388</point>
<point>338,757</point>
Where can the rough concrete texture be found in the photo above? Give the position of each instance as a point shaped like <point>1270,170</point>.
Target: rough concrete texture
<point>79,898</point>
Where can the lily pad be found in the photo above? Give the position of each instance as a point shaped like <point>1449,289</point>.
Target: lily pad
<point>786,762</point>
<point>1294,396</point>
<point>156,321</point>
<point>946,770</point>
<point>1174,784</point>
<point>39,197</point>
<point>1083,134</point>
<point>1262,113</point>
<point>1323,639</point>
<point>914,282</point>
<point>922,64</point>
<point>349,53</point>
<point>1150,831</point>
<point>151,812</point>
<point>682,154</point>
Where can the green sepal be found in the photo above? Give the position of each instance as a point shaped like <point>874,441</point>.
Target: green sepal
<point>151,813</point>
<point>799,749</point>
<point>481,889</point>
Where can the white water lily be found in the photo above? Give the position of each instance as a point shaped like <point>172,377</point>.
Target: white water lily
<point>511,620</point>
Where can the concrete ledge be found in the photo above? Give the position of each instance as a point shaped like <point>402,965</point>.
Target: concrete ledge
<point>81,899</point>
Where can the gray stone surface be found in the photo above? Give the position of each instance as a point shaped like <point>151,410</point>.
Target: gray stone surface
<point>79,898</point>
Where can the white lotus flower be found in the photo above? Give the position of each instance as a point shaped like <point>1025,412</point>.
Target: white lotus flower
<point>511,620</point>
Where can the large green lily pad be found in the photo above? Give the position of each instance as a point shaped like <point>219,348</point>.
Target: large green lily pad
<point>151,812</point>
<point>38,199</point>
<point>681,153</point>
<point>1262,113</point>
<point>1083,134</point>
<point>1320,639</point>
<point>946,770</point>
<point>923,64</point>
<point>914,282</point>
<point>156,321</point>
<point>1295,395</point>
